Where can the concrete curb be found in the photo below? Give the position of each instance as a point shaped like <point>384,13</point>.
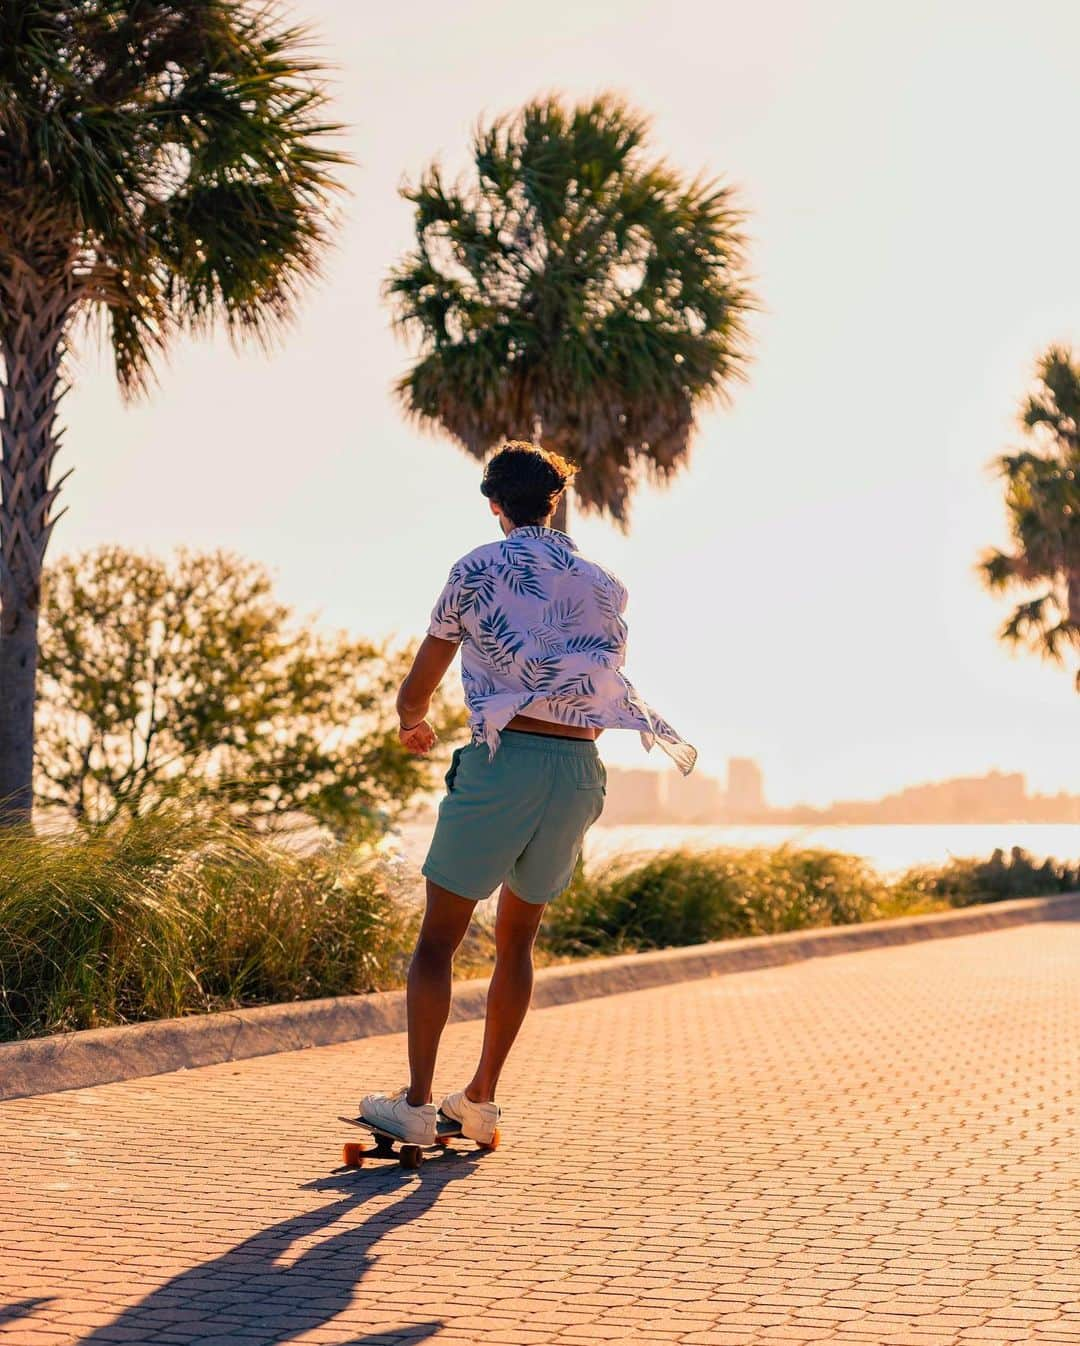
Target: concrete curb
<point>105,1055</point>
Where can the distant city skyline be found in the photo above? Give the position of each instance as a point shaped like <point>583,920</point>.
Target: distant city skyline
<point>639,796</point>
<point>804,594</point>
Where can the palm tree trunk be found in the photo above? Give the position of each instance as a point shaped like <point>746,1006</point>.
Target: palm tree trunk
<point>33,314</point>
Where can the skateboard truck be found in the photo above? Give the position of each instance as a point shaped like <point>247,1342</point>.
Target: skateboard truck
<point>408,1155</point>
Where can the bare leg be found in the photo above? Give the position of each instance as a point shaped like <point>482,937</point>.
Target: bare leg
<point>510,991</point>
<point>430,975</point>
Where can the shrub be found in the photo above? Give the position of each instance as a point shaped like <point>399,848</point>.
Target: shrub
<point>964,882</point>
<point>173,914</point>
<point>683,897</point>
<point>169,915</point>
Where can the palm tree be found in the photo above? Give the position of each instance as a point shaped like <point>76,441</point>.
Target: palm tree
<point>163,165</point>
<point>576,291</point>
<point>1042,495</point>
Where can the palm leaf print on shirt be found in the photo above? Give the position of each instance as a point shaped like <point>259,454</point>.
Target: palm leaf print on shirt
<point>476,687</point>
<point>540,672</point>
<point>609,599</point>
<point>558,618</point>
<point>446,611</point>
<point>498,639</point>
<point>560,556</point>
<point>574,700</point>
<point>598,648</point>
<point>581,684</point>
<point>522,578</point>
<point>574,710</point>
<point>477,586</point>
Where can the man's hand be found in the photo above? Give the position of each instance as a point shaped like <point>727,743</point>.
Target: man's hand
<point>432,660</point>
<point>418,738</point>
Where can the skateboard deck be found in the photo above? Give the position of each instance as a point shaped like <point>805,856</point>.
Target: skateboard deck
<point>408,1155</point>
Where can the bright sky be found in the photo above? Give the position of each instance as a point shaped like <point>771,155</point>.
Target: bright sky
<point>805,593</point>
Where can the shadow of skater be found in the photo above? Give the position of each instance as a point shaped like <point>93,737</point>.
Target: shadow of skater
<point>251,1294</point>
<point>22,1308</point>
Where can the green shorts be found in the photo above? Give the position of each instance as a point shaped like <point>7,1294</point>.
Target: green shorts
<point>521,817</point>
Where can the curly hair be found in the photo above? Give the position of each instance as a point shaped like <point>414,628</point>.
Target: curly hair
<point>526,481</point>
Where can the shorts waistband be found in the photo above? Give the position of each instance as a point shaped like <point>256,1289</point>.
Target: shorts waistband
<point>547,743</point>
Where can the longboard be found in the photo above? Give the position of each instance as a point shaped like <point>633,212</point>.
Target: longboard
<point>354,1153</point>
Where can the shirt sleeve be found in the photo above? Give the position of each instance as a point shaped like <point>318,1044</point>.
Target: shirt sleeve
<point>445,621</point>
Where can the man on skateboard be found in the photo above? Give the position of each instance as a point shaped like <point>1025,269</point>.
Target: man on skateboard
<point>543,643</point>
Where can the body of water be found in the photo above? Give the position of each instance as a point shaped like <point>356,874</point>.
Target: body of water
<point>889,848</point>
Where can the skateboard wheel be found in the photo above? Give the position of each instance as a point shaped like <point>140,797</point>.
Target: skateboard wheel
<point>352,1154</point>
<point>493,1143</point>
<point>411,1156</point>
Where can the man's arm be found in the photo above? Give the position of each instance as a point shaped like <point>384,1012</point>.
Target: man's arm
<point>429,667</point>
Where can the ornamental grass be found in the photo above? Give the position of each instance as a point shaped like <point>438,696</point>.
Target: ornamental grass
<point>172,914</point>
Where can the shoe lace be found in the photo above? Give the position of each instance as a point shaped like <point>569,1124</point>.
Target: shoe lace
<point>402,1096</point>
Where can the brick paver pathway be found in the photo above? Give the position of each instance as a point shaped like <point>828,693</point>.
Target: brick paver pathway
<point>878,1147</point>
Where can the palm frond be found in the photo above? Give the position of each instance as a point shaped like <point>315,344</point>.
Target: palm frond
<point>177,154</point>
<point>1026,620</point>
<point>1042,500</point>
<point>573,281</point>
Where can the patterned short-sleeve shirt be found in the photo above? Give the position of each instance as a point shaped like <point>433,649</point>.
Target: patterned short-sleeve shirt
<point>542,633</point>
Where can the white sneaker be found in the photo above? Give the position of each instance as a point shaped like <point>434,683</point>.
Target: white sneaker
<point>479,1121</point>
<point>394,1114</point>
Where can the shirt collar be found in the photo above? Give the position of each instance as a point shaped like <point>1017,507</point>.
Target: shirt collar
<point>538,530</point>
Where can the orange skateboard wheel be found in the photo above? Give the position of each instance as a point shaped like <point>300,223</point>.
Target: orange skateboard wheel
<point>352,1154</point>
<point>493,1143</point>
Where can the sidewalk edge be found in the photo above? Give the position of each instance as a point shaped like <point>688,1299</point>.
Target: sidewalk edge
<point>107,1055</point>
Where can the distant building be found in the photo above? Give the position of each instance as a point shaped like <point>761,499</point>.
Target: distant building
<point>644,796</point>
<point>696,798</point>
<point>635,796</point>
<point>745,787</point>
<point>995,797</point>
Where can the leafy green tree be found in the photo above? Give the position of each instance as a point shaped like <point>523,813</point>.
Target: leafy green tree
<point>163,166</point>
<point>158,680</point>
<point>575,290</point>
<point>1042,496</point>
